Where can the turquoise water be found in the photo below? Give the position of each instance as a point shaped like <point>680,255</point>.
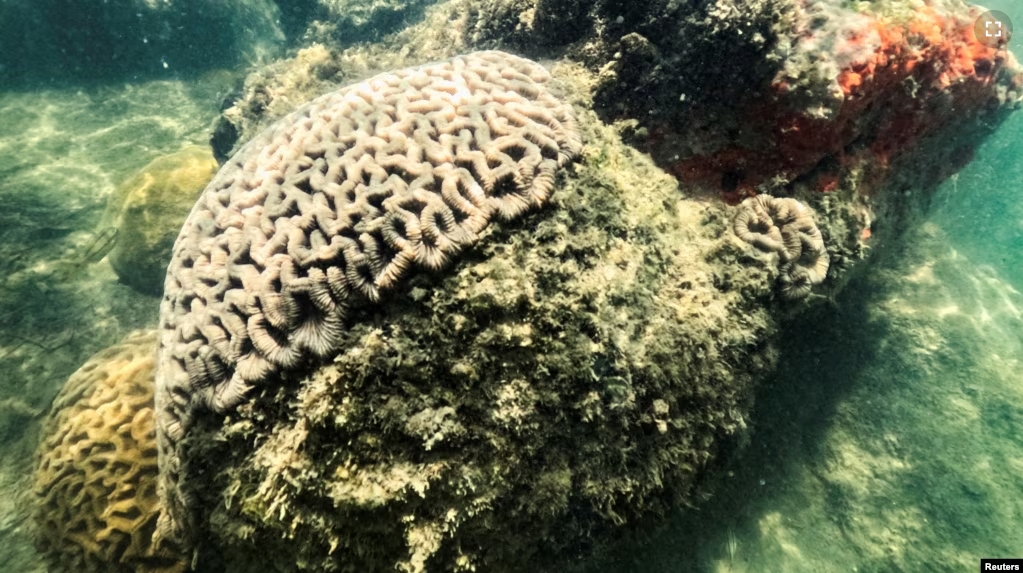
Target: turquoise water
<point>980,206</point>
<point>891,439</point>
<point>63,151</point>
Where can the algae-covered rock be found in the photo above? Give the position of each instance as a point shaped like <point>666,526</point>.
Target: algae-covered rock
<point>353,21</point>
<point>759,96</point>
<point>575,371</point>
<point>804,93</point>
<point>147,212</point>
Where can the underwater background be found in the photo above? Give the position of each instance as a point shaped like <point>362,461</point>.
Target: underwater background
<point>889,439</point>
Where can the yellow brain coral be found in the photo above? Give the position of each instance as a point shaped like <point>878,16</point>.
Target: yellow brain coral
<point>96,469</point>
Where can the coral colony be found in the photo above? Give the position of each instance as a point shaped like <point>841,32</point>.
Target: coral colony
<point>97,468</point>
<point>786,227</point>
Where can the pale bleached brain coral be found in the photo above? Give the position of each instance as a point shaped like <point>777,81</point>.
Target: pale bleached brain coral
<point>95,479</point>
<point>332,207</point>
<point>785,226</point>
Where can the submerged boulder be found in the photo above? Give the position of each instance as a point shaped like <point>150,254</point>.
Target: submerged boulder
<point>440,391</point>
<point>574,371</point>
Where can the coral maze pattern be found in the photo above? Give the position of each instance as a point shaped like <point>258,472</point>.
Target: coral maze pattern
<point>333,206</point>
<point>97,465</point>
<point>785,226</point>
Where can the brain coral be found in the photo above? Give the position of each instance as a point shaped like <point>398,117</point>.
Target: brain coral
<point>331,208</point>
<point>573,373</point>
<point>96,468</point>
<point>785,226</point>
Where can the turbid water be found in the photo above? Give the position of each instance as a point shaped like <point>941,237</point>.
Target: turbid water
<point>62,153</point>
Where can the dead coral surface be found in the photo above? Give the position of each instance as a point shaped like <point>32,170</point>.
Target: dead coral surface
<point>96,468</point>
<point>575,371</point>
<point>853,88</point>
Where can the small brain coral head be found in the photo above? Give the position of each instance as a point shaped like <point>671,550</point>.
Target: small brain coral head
<point>333,207</point>
<point>95,478</point>
<point>786,227</point>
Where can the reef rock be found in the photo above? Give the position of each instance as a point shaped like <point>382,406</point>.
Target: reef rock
<point>332,209</point>
<point>351,21</point>
<point>816,93</point>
